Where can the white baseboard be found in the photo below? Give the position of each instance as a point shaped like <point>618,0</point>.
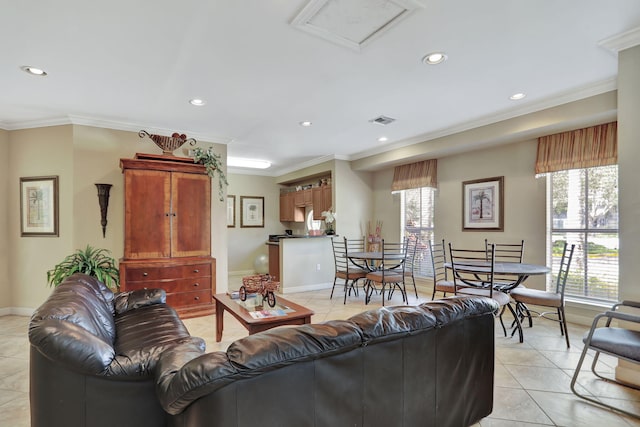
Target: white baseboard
<point>307,288</point>
<point>16,311</point>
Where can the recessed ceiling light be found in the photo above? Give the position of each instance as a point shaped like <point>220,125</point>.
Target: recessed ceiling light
<point>33,70</point>
<point>238,162</point>
<point>517,96</point>
<point>197,102</point>
<point>383,139</point>
<point>306,123</point>
<point>434,58</point>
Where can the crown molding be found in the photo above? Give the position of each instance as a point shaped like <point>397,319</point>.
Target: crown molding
<point>622,41</point>
<point>109,124</point>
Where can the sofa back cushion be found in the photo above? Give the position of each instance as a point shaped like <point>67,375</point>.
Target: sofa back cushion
<point>75,324</point>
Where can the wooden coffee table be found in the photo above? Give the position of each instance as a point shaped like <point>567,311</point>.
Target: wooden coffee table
<point>294,314</point>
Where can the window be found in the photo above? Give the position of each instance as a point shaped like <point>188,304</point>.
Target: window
<point>417,223</point>
<point>584,212</point>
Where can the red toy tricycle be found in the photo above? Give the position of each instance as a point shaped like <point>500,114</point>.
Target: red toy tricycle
<point>262,284</point>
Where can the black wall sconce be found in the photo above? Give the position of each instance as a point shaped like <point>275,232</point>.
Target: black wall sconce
<point>103,198</point>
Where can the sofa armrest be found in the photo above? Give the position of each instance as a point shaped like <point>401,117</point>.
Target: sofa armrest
<point>125,301</point>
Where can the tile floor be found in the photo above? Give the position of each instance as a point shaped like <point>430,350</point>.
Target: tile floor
<point>531,379</point>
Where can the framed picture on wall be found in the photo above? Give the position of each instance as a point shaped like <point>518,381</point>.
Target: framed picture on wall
<point>252,211</point>
<point>39,206</point>
<point>231,211</point>
<point>483,204</point>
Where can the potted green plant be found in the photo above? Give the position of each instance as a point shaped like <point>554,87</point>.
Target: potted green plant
<point>213,165</point>
<point>94,262</point>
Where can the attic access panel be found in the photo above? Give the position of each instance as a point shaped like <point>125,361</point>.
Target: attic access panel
<point>352,23</point>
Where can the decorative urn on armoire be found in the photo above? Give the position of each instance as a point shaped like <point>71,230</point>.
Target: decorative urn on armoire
<point>167,231</point>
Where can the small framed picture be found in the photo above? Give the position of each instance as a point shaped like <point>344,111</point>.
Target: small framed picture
<point>252,211</point>
<point>231,211</point>
<point>483,204</point>
<point>39,206</point>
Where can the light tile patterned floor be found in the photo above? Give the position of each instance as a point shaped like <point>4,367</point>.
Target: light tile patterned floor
<point>531,379</point>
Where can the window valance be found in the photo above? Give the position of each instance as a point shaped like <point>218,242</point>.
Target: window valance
<point>415,175</point>
<point>580,148</point>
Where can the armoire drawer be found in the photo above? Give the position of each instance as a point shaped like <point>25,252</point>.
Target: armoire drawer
<point>189,298</point>
<point>144,273</point>
<point>176,285</point>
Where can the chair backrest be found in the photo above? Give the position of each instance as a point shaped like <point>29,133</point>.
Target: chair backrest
<point>438,259</point>
<point>507,252</point>
<point>355,245</point>
<point>394,256</point>
<point>412,249</point>
<point>563,272</point>
<point>473,267</point>
<point>340,253</point>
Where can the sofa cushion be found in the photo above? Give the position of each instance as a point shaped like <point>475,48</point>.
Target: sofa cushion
<point>453,308</point>
<point>248,357</point>
<point>125,301</point>
<point>388,323</point>
<point>142,335</point>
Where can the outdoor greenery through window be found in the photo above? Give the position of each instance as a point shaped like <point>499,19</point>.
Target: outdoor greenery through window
<point>417,224</point>
<point>584,212</point>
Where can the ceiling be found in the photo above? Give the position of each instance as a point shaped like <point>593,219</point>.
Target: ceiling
<point>263,66</point>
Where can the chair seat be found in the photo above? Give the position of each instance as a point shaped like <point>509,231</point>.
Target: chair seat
<point>389,277</point>
<point>623,342</point>
<point>536,297</point>
<point>445,286</point>
<point>500,297</point>
<point>352,274</point>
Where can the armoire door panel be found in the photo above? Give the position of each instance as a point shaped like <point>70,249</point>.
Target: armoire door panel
<point>191,200</point>
<point>147,214</point>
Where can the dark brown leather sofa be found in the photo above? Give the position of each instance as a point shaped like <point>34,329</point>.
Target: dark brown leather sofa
<point>93,355</point>
<point>430,365</point>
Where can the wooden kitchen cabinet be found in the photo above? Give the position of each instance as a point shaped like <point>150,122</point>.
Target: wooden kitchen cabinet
<point>322,201</point>
<point>168,231</point>
<point>289,211</point>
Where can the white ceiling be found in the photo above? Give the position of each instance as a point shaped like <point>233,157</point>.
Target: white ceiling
<point>135,64</point>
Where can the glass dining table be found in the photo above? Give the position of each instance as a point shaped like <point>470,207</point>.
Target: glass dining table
<point>519,271</point>
<point>372,261</point>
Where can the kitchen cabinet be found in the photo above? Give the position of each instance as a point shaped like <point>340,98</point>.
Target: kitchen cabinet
<point>322,201</point>
<point>289,211</point>
<point>167,242</point>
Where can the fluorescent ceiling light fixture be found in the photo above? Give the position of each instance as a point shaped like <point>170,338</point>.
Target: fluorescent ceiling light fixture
<point>33,70</point>
<point>306,123</point>
<point>434,58</point>
<point>383,139</point>
<point>517,96</point>
<point>237,162</point>
<point>197,102</point>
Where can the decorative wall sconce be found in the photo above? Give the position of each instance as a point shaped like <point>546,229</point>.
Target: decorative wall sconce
<point>103,199</point>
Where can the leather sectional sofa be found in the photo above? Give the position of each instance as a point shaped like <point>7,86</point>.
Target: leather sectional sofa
<point>93,355</point>
<point>430,365</point>
<point>99,359</point>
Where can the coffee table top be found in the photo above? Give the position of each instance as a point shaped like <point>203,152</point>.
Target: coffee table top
<point>284,309</point>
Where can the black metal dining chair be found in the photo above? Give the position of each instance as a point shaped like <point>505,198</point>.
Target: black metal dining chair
<point>441,282</point>
<point>344,268</point>
<point>506,252</point>
<point>473,274</point>
<point>391,272</point>
<point>525,297</point>
<point>620,342</point>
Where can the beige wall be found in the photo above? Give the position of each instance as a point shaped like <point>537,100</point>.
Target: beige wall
<point>81,156</point>
<point>245,244</point>
<point>38,152</point>
<point>5,289</point>
<point>628,161</point>
<point>524,199</point>
<point>352,199</point>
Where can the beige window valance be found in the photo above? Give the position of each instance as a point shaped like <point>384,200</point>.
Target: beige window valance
<point>415,175</point>
<point>581,148</point>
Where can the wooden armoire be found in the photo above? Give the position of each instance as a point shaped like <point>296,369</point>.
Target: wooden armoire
<point>167,231</point>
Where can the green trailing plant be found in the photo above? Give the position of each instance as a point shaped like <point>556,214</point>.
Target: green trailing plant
<point>213,165</point>
<point>94,262</point>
